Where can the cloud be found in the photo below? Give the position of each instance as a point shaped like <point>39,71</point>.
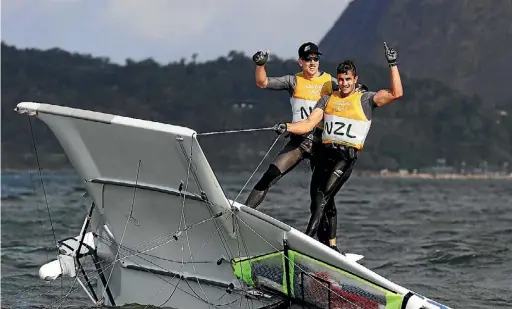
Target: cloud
<point>162,19</point>
<point>168,29</point>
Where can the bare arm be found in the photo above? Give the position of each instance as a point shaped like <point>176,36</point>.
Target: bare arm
<point>261,77</point>
<point>385,96</point>
<point>306,125</point>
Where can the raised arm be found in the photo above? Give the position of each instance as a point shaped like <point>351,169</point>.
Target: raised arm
<point>286,82</point>
<point>260,59</point>
<point>386,96</point>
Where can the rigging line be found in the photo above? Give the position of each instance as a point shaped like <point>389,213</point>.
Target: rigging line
<point>38,210</point>
<point>166,239</point>
<point>295,265</point>
<point>210,204</point>
<point>103,269</point>
<point>125,225</point>
<point>236,131</point>
<point>185,222</point>
<point>168,298</point>
<point>49,291</point>
<point>257,167</point>
<point>42,183</point>
<point>44,193</point>
<point>153,263</point>
<point>68,293</point>
<point>225,304</point>
<point>31,288</point>
<point>169,282</point>
<point>182,219</point>
<point>225,243</point>
<point>26,301</point>
<point>142,252</point>
<point>253,229</point>
<point>221,235</point>
<point>77,278</point>
<point>238,234</point>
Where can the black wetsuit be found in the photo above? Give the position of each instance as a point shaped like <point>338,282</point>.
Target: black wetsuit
<point>298,148</point>
<point>335,163</point>
<point>334,167</point>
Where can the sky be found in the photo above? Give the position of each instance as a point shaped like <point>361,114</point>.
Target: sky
<point>168,30</point>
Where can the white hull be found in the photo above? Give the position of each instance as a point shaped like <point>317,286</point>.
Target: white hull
<point>161,216</point>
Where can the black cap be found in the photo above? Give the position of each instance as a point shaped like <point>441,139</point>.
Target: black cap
<point>308,48</point>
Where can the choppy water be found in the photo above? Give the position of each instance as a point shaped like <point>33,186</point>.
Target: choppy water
<point>450,240</point>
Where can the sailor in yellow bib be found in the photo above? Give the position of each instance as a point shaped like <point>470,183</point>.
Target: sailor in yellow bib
<point>347,120</point>
<point>346,116</point>
<point>306,94</point>
<point>304,89</point>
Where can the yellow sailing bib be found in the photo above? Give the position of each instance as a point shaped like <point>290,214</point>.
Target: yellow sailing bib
<point>306,94</point>
<point>344,121</point>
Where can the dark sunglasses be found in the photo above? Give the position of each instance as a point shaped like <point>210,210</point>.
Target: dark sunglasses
<point>309,59</point>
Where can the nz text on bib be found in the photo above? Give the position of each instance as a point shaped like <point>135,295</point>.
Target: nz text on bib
<point>307,93</point>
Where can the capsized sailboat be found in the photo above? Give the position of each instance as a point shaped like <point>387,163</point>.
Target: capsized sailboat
<point>160,230</point>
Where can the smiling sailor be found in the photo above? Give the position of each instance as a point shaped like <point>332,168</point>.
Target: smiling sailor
<point>305,89</point>
<point>347,116</point>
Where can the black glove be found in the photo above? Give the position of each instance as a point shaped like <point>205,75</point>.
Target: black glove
<point>260,58</point>
<point>391,55</point>
<point>280,128</point>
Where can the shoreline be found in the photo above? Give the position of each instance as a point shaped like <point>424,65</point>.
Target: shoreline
<point>395,175</point>
<point>369,174</point>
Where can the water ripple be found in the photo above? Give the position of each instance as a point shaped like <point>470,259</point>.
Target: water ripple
<point>449,239</point>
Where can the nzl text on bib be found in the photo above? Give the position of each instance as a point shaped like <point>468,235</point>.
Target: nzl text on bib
<point>345,121</point>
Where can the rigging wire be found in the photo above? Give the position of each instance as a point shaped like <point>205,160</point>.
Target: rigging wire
<point>125,225</point>
<point>105,268</point>
<point>184,221</point>
<point>45,196</point>
<point>191,255</point>
<point>42,184</point>
<point>236,131</point>
<point>153,263</point>
<point>209,203</point>
<point>255,170</point>
<point>234,214</point>
<point>295,264</point>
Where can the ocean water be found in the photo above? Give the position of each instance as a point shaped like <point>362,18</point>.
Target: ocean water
<point>450,240</point>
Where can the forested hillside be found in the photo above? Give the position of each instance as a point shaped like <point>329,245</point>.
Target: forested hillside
<point>464,43</point>
<point>431,121</point>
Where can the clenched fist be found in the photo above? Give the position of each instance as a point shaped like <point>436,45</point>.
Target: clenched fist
<point>260,58</point>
